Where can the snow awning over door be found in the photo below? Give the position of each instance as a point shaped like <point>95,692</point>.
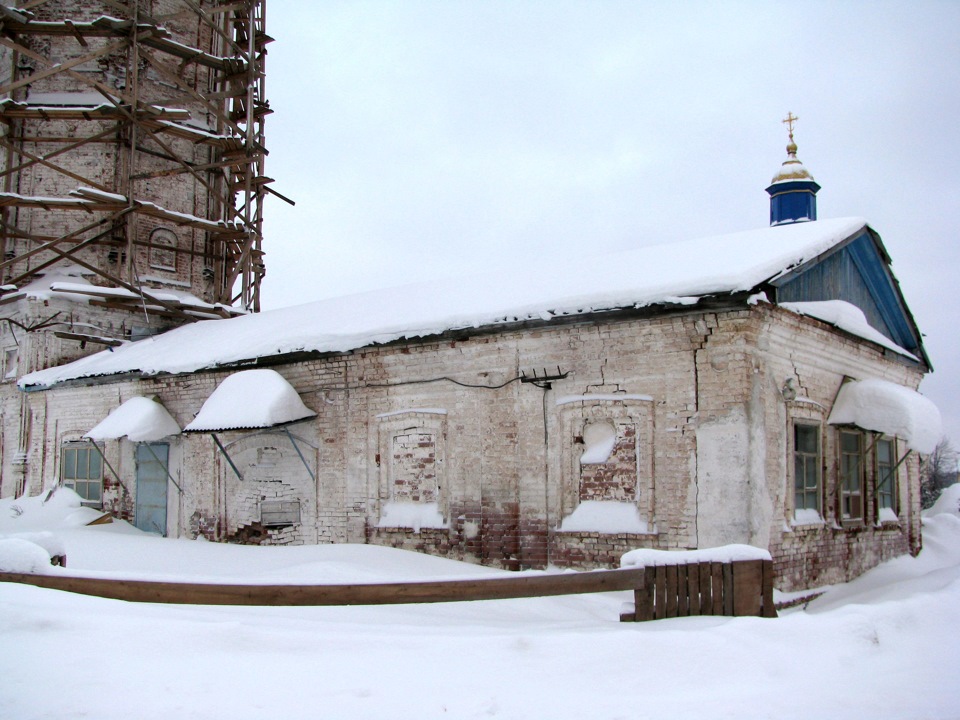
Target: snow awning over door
<point>248,400</point>
<point>891,409</point>
<point>140,419</point>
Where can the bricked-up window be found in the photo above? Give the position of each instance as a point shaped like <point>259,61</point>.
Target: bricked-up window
<point>608,466</point>
<point>885,455</point>
<point>604,450</point>
<point>81,470</point>
<point>411,490</point>
<point>806,471</point>
<point>415,467</point>
<point>851,476</point>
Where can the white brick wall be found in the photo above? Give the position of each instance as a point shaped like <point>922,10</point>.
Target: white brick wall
<point>713,441</point>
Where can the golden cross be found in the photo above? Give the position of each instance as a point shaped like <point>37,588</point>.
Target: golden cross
<point>789,120</point>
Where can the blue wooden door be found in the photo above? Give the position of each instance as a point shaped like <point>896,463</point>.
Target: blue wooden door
<point>152,487</point>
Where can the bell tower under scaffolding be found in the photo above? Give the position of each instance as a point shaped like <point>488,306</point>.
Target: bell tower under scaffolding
<point>131,168</point>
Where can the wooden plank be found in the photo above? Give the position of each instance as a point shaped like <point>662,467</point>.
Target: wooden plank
<point>150,34</point>
<point>706,596</point>
<point>359,594</point>
<point>671,591</point>
<point>683,600</point>
<point>769,610</point>
<point>660,599</point>
<point>693,588</point>
<point>643,596</point>
<point>747,583</point>
<point>716,587</point>
<point>96,339</point>
<point>727,570</point>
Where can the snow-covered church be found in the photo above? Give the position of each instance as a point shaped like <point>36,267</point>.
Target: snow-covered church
<point>754,388</point>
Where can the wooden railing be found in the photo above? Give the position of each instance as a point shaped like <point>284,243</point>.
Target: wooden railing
<point>738,588</point>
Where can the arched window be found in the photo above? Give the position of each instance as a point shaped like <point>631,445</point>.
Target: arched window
<point>163,255</point>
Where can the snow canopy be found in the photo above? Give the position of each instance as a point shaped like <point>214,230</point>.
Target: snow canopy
<point>674,273</point>
<point>139,419</point>
<point>250,399</point>
<point>891,409</point>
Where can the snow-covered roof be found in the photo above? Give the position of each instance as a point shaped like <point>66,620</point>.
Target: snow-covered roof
<point>891,409</point>
<point>847,317</point>
<point>250,399</point>
<point>675,273</point>
<point>140,419</point>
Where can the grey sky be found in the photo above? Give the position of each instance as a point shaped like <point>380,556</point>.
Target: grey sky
<point>425,139</point>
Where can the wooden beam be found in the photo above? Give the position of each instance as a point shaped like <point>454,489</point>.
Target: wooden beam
<point>53,69</point>
<point>53,166</point>
<point>81,338</point>
<point>70,255</point>
<point>149,30</point>
<point>179,82</point>
<point>72,146</point>
<point>112,95</point>
<point>217,29</point>
<point>499,588</point>
<point>102,113</point>
<point>140,306</point>
<point>50,245</point>
<point>76,33</point>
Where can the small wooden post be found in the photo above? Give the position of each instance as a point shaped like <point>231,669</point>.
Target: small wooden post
<point>769,610</point>
<point>728,589</point>
<point>706,596</point>
<point>716,575</point>
<point>747,582</point>
<point>643,597</point>
<point>671,591</point>
<point>693,588</point>
<point>683,592</point>
<point>660,600</point>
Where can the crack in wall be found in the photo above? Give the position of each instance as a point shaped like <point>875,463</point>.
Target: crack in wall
<point>703,332</point>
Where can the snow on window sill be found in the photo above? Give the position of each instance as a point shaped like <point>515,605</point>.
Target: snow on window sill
<point>412,515</point>
<point>888,517</point>
<point>606,517</point>
<point>806,518</point>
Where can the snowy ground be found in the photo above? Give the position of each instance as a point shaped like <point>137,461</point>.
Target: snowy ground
<point>884,646</point>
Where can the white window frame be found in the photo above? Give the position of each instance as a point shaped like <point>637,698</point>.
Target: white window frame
<point>894,491</point>
<point>851,489</point>
<point>82,482</point>
<point>816,458</point>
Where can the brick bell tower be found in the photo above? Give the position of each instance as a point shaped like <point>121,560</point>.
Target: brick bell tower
<point>132,165</point>
<point>131,181</point>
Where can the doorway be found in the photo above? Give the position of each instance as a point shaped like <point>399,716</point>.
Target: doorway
<point>151,508</point>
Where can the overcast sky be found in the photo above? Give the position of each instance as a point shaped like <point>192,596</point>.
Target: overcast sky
<point>425,139</point>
